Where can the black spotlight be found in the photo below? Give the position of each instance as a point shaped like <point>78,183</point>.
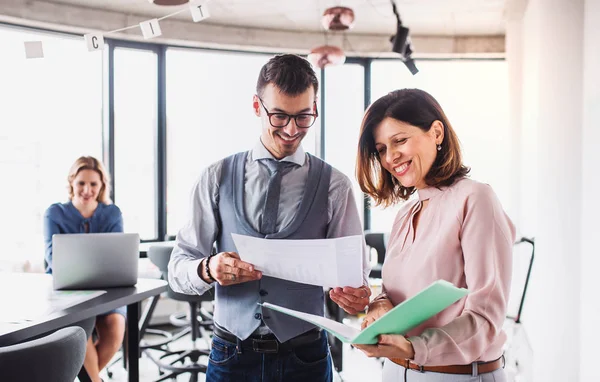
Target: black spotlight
<point>410,64</point>
<point>408,61</point>
<point>401,43</point>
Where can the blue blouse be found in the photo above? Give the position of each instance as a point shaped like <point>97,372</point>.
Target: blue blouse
<point>65,218</point>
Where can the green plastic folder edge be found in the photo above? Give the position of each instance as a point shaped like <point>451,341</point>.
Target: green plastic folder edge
<point>402,318</point>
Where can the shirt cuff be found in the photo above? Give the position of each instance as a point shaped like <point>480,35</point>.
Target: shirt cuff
<point>381,296</point>
<point>195,279</point>
<point>420,348</point>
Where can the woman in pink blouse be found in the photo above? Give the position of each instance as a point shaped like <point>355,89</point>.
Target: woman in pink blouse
<point>454,229</point>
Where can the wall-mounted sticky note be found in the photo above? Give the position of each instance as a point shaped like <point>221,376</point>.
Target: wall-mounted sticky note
<point>199,11</point>
<point>150,28</point>
<point>94,41</point>
<point>34,49</point>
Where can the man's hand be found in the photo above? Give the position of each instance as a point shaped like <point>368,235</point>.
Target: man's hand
<point>228,269</point>
<point>352,300</point>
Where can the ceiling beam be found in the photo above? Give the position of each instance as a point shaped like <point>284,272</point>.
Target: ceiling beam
<point>80,20</point>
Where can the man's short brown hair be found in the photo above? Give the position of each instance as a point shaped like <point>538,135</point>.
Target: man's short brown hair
<point>290,73</point>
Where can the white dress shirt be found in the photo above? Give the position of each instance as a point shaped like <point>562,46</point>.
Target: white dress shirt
<point>195,240</point>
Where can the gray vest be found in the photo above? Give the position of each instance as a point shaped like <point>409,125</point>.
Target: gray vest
<point>237,308</point>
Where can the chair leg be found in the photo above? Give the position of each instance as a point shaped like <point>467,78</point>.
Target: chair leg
<point>125,351</point>
<point>194,320</point>
<point>168,376</point>
<point>83,375</point>
<point>147,314</point>
<point>181,357</point>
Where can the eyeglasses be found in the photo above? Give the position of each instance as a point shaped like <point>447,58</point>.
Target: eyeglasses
<point>303,120</point>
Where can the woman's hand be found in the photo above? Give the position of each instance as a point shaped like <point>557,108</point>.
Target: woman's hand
<point>376,309</point>
<point>352,300</point>
<point>389,346</point>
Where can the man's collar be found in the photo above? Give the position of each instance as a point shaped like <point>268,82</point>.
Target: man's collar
<point>260,152</point>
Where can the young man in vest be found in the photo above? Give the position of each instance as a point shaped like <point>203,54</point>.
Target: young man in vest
<point>238,195</point>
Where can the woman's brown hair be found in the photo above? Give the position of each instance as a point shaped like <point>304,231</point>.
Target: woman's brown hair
<point>418,108</point>
<point>90,163</point>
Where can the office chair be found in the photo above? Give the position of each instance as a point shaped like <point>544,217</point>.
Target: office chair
<point>521,273</point>
<point>145,317</point>
<point>57,357</point>
<point>376,240</point>
<point>200,321</point>
<point>518,354</point>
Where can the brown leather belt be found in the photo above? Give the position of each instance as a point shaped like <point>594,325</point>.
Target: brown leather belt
<point>482,367</point>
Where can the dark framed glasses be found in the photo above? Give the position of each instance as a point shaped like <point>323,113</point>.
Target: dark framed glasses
<point>303,120</point>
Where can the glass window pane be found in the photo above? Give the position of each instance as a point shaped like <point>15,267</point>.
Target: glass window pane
<point>344,104</point>
<point>474,96</point>
<point>209,116</point>
<point>135,140</point>
<point>51,114</point>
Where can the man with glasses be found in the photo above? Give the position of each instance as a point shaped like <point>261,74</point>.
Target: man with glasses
<point>274,191</point>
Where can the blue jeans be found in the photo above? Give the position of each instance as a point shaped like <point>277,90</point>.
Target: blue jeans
<point>310,362</point>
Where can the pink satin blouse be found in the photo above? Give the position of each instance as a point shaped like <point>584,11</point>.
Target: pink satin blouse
<point>465,237</point>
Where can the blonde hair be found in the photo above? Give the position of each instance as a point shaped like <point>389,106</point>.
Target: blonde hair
<point>90,163</point>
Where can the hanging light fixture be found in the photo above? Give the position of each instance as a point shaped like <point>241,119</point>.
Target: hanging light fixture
<point>333,19</point>
<point>338,18</point>
<point>326,55</point>
<point>169,2</point>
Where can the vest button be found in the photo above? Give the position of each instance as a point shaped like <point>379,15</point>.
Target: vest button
<point>263,292</point>
<point>257,316</point>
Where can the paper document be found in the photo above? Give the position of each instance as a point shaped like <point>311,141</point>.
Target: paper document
<point>402,318</point>
<point>326,262</point>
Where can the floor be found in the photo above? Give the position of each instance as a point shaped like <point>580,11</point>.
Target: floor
<point>356,366</point>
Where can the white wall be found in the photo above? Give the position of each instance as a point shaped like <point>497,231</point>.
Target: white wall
<point>590,213</point>
<point>552,50</point>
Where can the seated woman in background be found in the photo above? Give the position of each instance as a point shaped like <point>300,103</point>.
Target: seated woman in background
<point>455,230</point>
<point>89,210</point>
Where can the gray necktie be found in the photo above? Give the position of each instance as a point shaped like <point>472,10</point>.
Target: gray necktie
<point>269,218</point>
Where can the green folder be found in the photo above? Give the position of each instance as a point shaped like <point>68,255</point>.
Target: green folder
<point>402,318</point>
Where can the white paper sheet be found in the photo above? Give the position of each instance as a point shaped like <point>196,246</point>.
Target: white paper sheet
<point>348,333</point>
<point>325,262</point>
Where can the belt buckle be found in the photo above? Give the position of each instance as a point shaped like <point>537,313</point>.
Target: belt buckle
<point>265,346</point>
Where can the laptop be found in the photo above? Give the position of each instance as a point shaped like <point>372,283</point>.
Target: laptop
<point>95,260</point>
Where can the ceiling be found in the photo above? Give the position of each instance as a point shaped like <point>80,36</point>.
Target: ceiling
<point>423,17</point>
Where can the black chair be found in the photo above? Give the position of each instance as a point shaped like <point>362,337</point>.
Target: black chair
<point>376,240</point>
<point>518,353</point>
<point>200,321</point>
<point>523,256</point>
<point>163,343</point>
<point>57,357</point>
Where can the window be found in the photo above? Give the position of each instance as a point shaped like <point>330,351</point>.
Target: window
<point>474,95</point>
<point>209,116</point>
<point>344,104</point>
<point>51,115</point>
<point>135,140</point>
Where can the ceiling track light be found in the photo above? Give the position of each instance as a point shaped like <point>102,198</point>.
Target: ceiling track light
<point>401,43</point>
